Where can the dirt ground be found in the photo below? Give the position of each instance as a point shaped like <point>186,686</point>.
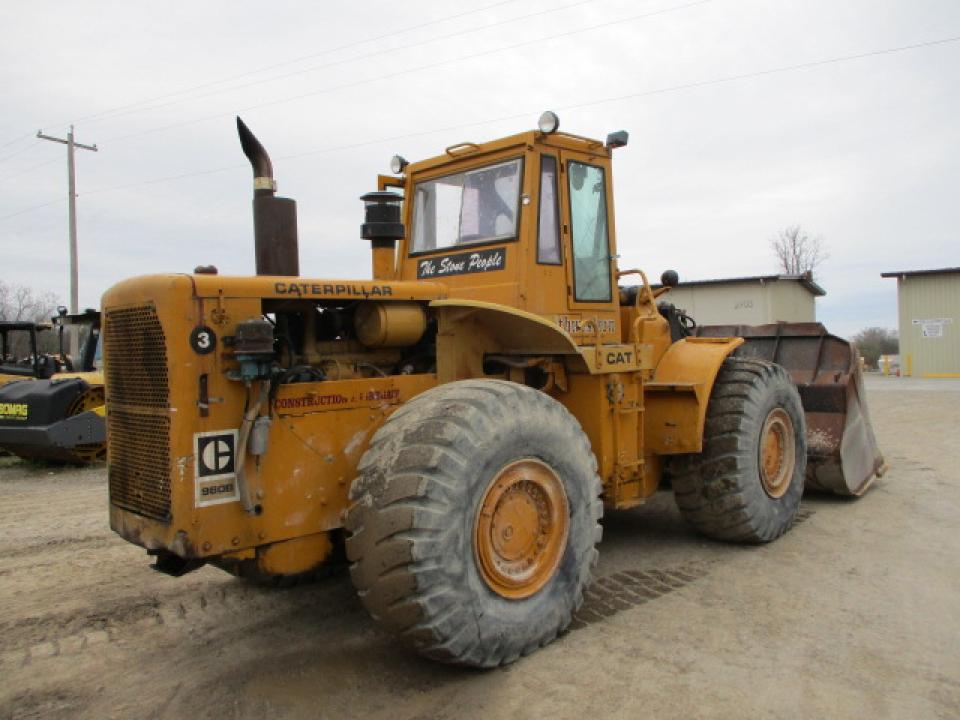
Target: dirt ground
<point>855,613</point>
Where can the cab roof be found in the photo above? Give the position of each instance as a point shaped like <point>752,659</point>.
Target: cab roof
<point>466,150</point>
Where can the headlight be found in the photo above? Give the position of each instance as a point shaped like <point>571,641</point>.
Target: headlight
<point>548,122</point>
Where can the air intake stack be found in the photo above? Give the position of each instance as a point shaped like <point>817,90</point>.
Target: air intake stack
<point>274,218</point>
<point>382,226</point>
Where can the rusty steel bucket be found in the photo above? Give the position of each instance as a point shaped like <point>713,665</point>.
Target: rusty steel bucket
<point>842,453</point>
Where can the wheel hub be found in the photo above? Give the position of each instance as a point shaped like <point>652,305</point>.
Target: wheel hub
<point>777,453</point>
<point>521,529</point>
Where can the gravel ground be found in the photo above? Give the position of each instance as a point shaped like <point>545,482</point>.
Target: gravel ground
<point>854,613</point>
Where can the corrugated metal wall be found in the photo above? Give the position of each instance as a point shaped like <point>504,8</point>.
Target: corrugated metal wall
<point>929,307</point>
<point>746,303</point>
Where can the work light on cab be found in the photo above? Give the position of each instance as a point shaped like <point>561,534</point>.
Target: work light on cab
<point>548,122</point>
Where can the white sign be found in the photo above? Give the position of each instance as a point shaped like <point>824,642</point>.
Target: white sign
<point>933,321</point>
<point>932,327</point>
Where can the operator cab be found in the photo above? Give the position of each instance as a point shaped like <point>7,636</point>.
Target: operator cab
<point>87,326</point>
<point>526,221</point>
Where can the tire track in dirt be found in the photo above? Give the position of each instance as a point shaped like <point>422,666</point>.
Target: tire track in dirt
<point>234,604</point>
<point>619,591</point>
<point>53,544</point>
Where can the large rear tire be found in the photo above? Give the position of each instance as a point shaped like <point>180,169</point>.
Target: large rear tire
<point>474,522</point>
<point>747,483</point>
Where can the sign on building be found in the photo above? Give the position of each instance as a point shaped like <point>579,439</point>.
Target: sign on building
<point>932,327</point>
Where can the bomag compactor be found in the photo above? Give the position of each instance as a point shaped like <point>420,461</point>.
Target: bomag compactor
<point>458,422</point>
<point>54,409</point>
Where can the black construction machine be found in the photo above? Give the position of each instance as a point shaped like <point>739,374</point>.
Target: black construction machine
<point>51,405</point>
<point>21,351</point>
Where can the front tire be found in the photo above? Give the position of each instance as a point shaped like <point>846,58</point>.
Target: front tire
<point>474,522</point>
<point>746,484</point>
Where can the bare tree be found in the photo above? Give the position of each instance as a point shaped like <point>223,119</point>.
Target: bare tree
<point>798,253</point>
<point>872,342</point>
<point>18,302</point>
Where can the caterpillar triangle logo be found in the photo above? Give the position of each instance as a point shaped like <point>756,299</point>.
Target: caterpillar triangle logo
<point>215,467</point>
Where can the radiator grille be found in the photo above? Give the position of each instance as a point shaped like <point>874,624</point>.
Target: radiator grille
<point>140,463</point>
<point>137,388</point>
<point>136,357</point>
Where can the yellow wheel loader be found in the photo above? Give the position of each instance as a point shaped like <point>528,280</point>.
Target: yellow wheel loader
<point>458,422</point>
<point>56,413</point>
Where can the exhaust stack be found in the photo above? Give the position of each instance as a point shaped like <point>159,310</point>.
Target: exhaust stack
<point>274,218</point>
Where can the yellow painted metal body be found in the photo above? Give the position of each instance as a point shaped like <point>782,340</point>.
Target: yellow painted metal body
<point>637,394</point>
<point>380,324</point>
<point>4,378</point>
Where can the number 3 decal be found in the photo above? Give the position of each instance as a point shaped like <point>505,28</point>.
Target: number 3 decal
<point>203,340</point>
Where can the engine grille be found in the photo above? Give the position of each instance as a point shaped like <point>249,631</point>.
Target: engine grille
<point>136,357</point>
<point>140,463</point>
<point>137,388</point>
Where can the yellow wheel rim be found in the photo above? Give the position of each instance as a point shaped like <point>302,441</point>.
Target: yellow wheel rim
<point>777,453</point>
<point>94,452</point>
<point>521,530</point>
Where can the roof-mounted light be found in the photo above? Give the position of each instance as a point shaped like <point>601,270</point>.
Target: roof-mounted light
<point>548,122</point>
<point>617,139</point>
<point>397,164</point>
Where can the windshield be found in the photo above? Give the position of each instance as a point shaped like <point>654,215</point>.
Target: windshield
<point>476,206</point>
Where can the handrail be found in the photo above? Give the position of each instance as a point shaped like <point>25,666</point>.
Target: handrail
<point>452,151</point>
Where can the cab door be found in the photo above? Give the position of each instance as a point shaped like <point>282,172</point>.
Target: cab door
<point>587,227</point>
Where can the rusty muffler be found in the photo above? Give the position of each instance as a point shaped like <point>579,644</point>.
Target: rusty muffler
<point>274,218</point>
<point>842,453</point>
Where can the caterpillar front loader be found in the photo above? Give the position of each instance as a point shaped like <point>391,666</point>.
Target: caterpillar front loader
<point>458,422</point>
<point>56,413</point>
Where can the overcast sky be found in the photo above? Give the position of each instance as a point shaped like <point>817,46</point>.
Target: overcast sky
<point>863,152</point>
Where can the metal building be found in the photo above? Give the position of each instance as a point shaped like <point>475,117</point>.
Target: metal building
<point>749,300</point>
<point>929,311</point>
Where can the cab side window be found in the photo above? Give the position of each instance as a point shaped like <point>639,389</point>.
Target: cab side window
<point>548,227</point>
<point>588,224</point>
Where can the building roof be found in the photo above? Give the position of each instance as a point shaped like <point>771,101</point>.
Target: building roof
<point>805,279</point>
<point>915,273</point>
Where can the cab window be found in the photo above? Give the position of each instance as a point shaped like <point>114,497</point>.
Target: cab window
<point>588,224</point>
<point>467,208</point>
<point>548,226</point>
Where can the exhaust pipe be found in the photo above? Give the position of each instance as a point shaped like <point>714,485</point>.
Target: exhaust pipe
<point>274,218</point>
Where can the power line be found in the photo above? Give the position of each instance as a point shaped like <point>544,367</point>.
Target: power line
<point>16,140</point>
<point>408,71</point>
<point>573,106</point>
<point>761,73</point>
<point>18,152</point>
<point>375,54</point>
<point>30,169</point>
<point>31,208</point>
<point>135,106</point>
<point>101,115</point>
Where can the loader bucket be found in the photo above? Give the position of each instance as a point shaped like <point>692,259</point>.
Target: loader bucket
<point>842,453</point>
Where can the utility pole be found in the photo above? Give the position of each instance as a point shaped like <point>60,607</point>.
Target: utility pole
<point>72,197</point>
